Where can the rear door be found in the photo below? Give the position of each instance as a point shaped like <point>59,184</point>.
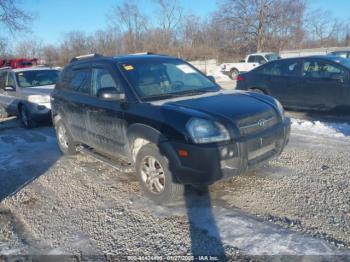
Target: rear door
<point>107,127</point>
<point>282,78</point>
<point>72,98</point>
<point>323,84</point>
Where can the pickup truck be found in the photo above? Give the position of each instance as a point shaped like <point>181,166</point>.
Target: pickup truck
<point>250,62</point>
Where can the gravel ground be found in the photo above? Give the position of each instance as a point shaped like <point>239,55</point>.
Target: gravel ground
<point>75,205</point>
<point>307,189</point>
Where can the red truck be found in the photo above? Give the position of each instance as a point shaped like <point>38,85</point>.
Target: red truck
<point>18,62</point>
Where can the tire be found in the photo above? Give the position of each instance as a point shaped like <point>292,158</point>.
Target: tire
<point>258,91</point>
<point>25,117</point>
<point>3,113</point>
<point>64,139</point>
<point>234,73</point>
<point>161,189</point>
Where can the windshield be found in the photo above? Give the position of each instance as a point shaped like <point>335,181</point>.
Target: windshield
<point>37,78</point>
<point>159,79</point>
<point>271,57</point>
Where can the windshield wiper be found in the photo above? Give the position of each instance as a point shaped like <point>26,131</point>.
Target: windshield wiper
<point>178,94</point>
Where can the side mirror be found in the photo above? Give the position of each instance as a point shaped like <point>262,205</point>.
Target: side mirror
<point>212,78</point>
<point>9,88</point>
<point>338,78</point>
<point>110,94</point>
<point>262,62</point>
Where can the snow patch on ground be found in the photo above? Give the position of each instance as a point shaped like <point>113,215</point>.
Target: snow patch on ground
<point>329,129</point>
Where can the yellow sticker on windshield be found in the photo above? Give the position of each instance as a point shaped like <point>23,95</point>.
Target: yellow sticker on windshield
<point>128,67</point>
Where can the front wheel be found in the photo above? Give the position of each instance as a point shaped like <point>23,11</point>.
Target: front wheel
<point>157,181</point>
<point>26,118</point>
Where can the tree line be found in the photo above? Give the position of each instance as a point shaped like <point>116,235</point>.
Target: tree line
<point>235,28</point>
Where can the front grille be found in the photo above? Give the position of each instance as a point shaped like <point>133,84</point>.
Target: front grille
<point>257,123</point>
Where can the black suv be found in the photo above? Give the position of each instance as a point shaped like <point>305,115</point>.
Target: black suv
<point>162,117</point>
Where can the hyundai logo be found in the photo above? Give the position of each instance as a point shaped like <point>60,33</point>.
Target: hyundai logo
<point>261,122</point>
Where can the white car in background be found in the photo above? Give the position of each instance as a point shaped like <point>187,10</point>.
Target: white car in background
<point>250,62</point>
<point>26,92</point>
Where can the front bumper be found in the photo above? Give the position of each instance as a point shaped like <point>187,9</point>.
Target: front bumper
<point>40,112</point>
<point>206,164</point>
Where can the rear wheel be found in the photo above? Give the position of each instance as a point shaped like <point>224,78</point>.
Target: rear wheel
<point>157,181</point>
<point>64,139</point>
<point>26,118</point>
<point>234,73</point>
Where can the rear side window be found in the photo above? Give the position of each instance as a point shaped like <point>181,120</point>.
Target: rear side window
<point>251,59</point>
<point>281,68</point>
<point>80,81</point>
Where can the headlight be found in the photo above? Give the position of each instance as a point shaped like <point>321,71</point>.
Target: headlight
<point>206,131</point>
<point>39,99</point>
<point>280,108</point>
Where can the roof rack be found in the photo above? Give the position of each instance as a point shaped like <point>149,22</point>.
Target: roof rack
<point>85,57</point>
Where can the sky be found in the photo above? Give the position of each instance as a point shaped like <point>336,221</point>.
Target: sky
<point>54,18</point>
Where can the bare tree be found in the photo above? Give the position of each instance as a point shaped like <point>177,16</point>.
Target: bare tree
<point>170,15</point>
<point>253,22</point>
<point>28,49</point>
<point>127,18</point>
<point>324,28</point>
<point>12,17</point>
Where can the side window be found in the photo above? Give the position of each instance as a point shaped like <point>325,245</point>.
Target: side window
<point>10,80</point>
<point>3,75</point>
<point>291,68</point>
<point>102,78</point>
<point>259,59</point>
<point>271,68</point>
<point>321,69</point>
<point>80,81</point>
<point>251,59</point>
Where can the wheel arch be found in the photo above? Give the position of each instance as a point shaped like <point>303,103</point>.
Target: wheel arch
<point>139,135</point>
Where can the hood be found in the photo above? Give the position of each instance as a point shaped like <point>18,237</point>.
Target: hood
<point>38,90</point>
<point>233,105</point>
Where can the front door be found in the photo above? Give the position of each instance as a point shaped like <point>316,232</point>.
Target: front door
<point>322,85</point>
<point>107,127</point>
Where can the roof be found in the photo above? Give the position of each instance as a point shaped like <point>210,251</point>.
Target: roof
<point>123,58</point>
